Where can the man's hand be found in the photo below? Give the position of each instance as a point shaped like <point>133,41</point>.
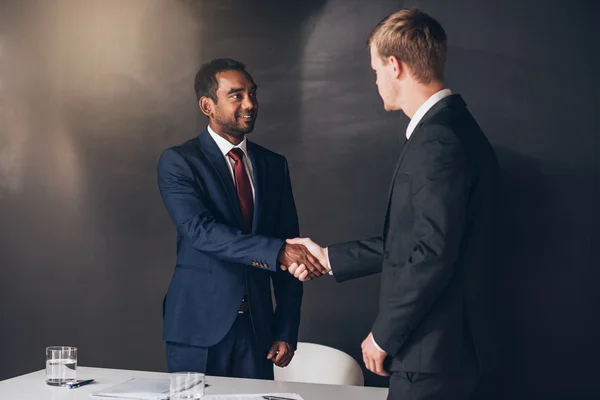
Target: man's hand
<point>301,271</point>
<point>281,353</point>
<point>373,357</point>
<point>297,254</point>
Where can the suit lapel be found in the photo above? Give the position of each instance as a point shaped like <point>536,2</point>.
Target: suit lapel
<point>214,155</point>
<point>259,169</point>
<point>396,169</point>
<point>452,100</point>
<point>391,189</point>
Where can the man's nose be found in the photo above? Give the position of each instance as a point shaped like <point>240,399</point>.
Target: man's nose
<point>249,103</point>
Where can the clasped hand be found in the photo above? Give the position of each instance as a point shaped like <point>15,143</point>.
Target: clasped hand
<point>304,259</point>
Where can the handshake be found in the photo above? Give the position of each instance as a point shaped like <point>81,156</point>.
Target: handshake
<point>304,259</point>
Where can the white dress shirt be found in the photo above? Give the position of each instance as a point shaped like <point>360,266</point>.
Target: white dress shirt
<point>226,147</point>
<point>421,111</point>
<point>419,114</point>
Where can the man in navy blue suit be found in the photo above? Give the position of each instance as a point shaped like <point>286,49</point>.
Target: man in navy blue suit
<point>232,204</point>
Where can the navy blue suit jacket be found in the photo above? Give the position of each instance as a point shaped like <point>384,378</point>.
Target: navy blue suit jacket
<point>215,259</point>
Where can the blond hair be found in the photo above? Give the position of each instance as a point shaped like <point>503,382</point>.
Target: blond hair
<point>414,38</point>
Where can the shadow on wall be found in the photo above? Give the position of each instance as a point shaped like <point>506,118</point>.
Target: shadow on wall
<point>523,208</point>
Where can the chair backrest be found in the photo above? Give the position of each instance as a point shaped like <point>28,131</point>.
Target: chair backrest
<point>315,363</point>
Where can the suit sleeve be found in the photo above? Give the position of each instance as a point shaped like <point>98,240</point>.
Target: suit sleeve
<point>439,208</point>
<point>356,259</point>
<point>184,199</point>
<point>288,290</point>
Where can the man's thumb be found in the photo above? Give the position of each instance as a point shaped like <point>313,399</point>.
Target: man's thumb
<point>271,352</point>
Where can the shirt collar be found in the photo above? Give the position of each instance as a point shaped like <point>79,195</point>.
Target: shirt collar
<point>421,111</point>
<point>225,146</point>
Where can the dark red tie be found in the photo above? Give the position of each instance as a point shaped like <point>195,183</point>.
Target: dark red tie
<point>243,187</point>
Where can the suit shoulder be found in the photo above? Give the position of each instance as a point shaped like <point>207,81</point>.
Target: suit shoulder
<point>454,123</point>
<point>438,137</point>
<point>188,147</point>
<point>438,128</point>
<point>180,152</point>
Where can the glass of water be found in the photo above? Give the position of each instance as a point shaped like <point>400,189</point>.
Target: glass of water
<point>61,365</point>
<point>186,385</point>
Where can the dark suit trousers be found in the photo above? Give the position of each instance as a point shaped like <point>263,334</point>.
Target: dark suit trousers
<point>237,355</point>
<point>420,386</point>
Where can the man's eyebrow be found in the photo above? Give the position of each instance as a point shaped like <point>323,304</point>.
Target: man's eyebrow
<point>241,89</point>
<point>235,90</point>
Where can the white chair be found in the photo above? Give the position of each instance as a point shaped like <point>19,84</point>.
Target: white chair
<point>315,363</point>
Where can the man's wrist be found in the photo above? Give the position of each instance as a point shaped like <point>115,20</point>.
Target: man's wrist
<point>326,251</point>
<point>376,345</point>
<point>281,252</point>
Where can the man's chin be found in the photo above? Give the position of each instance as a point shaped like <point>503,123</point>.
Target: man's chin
<point>247,127</point>
<point>391,108</point>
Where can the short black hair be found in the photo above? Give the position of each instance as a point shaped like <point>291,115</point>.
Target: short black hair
<point>205,83</point>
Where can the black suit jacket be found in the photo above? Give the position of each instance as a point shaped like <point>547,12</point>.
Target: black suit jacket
<point>436,252</point>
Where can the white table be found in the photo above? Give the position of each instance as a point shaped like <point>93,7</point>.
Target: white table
<point>33,386</point>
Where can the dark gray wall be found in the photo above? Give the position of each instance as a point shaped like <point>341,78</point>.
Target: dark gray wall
<point>92,91</point>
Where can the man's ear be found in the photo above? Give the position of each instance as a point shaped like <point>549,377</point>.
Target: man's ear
<point>397,65</point>
<point>206,105</point>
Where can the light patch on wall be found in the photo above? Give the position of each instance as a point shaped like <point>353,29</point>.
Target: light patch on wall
<point>13,133</point>
<point>99,36</point>
<point>13,139</point>
<point>114,68</point>
<point>1,68</point>
<point>67,171</point>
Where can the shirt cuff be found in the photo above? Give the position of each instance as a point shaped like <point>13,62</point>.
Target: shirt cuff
<point>329,261</point>
<point>375,343</point>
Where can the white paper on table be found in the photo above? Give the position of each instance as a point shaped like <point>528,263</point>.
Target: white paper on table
<point>136,388</point>
<point>293,396</point>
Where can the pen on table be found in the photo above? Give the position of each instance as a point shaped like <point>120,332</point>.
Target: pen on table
<point>81,383</point>
<point>276,398</point>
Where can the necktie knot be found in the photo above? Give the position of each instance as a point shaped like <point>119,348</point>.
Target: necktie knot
<point>236,153</point>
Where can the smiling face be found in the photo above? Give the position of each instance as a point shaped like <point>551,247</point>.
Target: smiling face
<point>234,113</point>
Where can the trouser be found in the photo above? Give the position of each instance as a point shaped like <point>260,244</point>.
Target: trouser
<point>422,386</point>
<point>237,355</point>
